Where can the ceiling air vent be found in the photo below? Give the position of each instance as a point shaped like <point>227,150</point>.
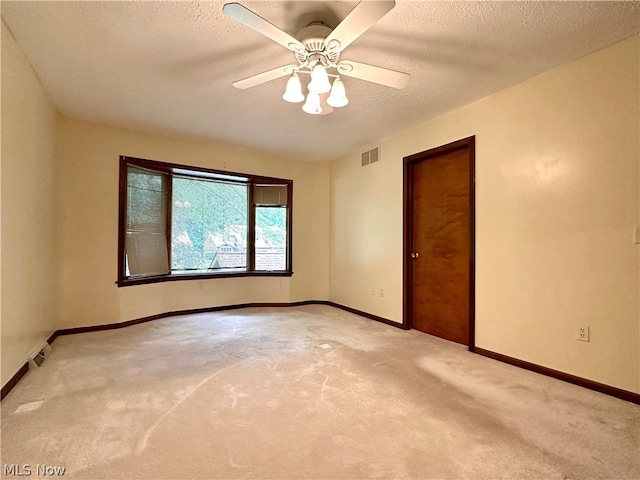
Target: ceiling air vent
<point>371,156</point>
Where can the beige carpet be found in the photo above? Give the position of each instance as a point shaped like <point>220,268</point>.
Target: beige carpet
<point>305,392</point>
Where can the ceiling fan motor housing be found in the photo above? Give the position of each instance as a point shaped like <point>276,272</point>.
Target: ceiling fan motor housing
<point>312,37</point>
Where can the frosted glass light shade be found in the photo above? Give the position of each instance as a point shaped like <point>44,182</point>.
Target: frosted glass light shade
<point>319,79</point>
<point>312,105</point>
<point>338,97</point>
<point>293,93</point>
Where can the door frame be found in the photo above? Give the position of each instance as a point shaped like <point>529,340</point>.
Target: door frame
<point>470,144</point>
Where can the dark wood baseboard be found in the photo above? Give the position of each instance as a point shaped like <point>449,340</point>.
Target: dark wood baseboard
<point>286,304</point>
<point>365,314</point>
<point>52,337</point>
<point>566,377</point>
<point>583,382</point>
<point>370,316</point>
<point>15,379</point>
<point>136,321</point>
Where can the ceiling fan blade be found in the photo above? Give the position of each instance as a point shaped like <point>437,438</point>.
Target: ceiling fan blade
<point>370,73</point>
<point>264,77</point>
<point>260,25</point>
<point>363,16</point>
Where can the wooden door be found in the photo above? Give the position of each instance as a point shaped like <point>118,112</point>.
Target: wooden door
<point>441,241</point>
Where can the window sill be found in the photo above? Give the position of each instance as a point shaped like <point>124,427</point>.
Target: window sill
<point>200,276</point>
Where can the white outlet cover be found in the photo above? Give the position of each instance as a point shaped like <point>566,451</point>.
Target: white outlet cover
<point>582,334</point>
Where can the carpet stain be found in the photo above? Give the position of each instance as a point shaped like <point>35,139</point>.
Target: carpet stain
<point>29,407</point>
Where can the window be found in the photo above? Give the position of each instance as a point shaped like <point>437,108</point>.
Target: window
<point>179,222</point>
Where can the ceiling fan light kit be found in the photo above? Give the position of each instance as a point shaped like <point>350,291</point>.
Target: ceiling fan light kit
<point>318,85</point>
<point>338,97</point>
<point>317,49</point>
<point>293,93</point>
<point>312,105</point>
<point>319,79</point>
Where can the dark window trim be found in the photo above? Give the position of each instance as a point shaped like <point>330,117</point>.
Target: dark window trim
<point>203,173</point>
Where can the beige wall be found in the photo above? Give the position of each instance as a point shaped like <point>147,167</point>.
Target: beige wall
<point>557,177</point>
<point>28,239</point>
<point>88,231</point>
<point>557,201</point>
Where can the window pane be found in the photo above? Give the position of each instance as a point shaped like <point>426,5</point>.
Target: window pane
<point>271,238</point>
<point>146,235</point>
<point>208,226</point>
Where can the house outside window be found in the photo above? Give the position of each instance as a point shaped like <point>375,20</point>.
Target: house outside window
<point>179,222</point>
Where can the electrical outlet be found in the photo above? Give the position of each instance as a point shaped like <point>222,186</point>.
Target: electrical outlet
<point>200,285</point>
<point>582,333</point>
<point>373,291</point>
<point>382,292</point>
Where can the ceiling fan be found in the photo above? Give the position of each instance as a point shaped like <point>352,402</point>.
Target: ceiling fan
<point>317,49</point>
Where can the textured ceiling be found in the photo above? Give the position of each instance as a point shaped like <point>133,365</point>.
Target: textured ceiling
<point>168,66</point>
